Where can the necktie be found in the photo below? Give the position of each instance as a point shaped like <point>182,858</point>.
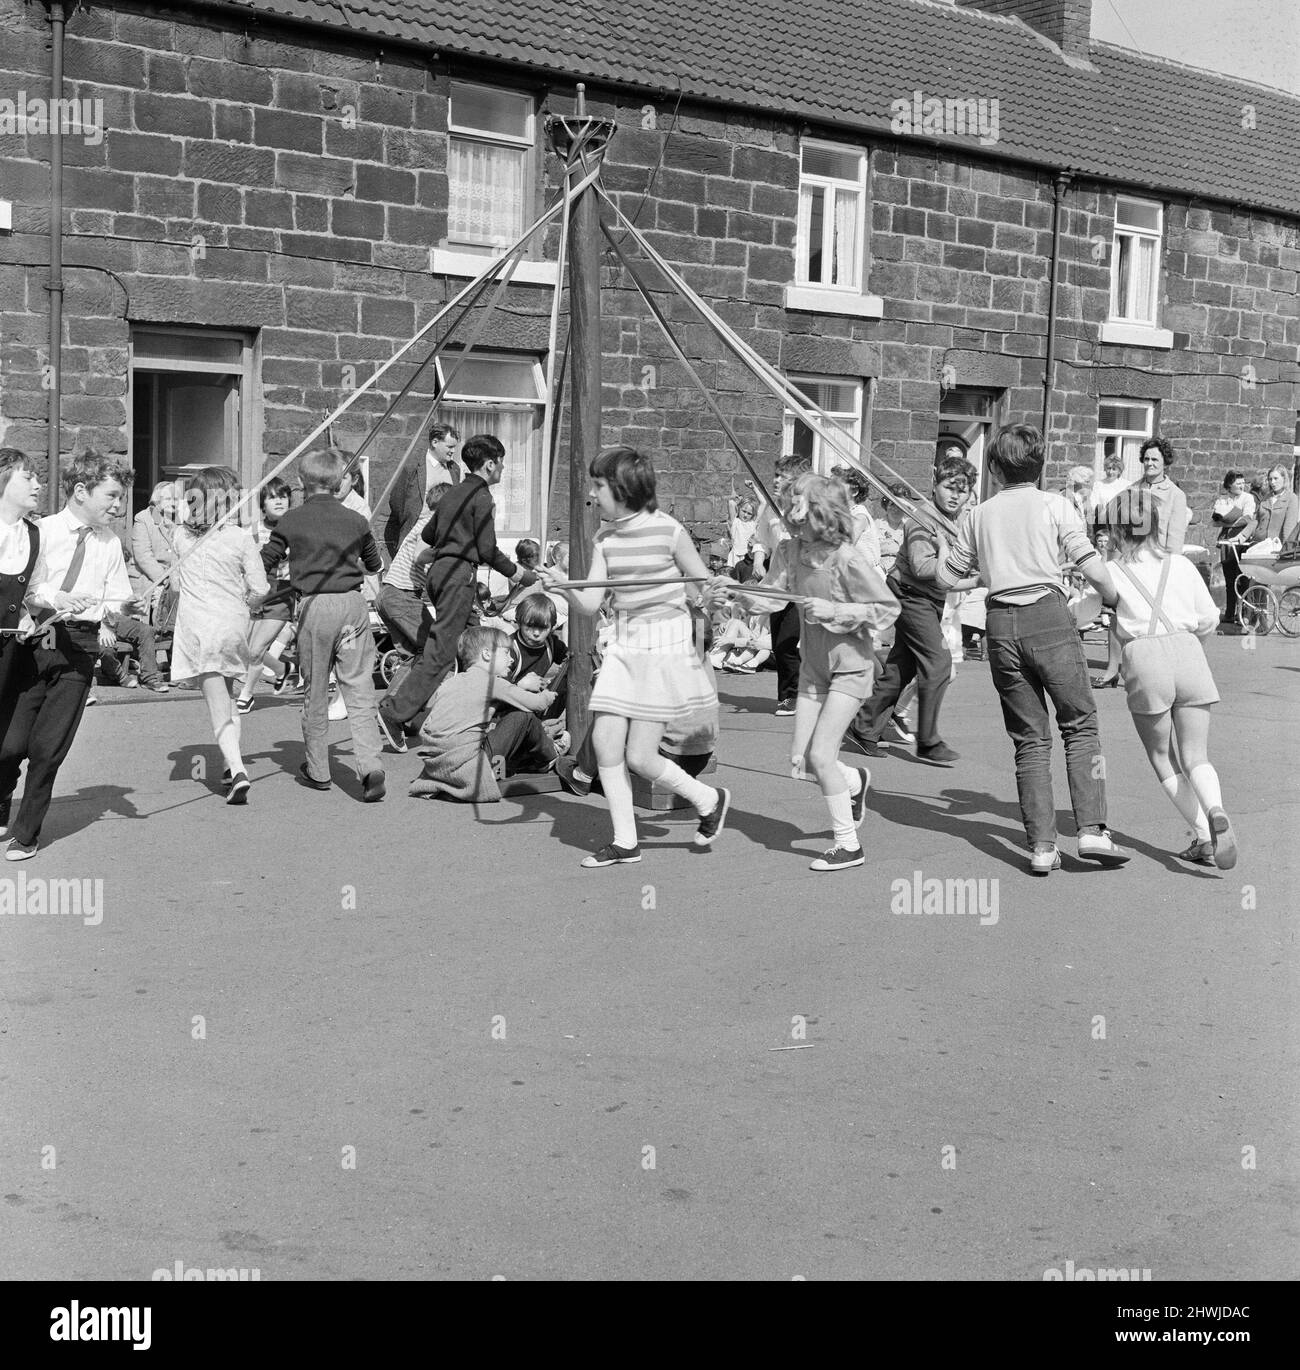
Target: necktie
<point>78,559</point>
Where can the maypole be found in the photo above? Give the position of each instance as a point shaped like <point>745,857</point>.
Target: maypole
<point>581,141</point>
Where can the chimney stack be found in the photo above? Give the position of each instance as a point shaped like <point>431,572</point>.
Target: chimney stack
<point>1068,23</point>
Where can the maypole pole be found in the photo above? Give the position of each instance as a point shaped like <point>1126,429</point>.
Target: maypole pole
<point>581,141</point>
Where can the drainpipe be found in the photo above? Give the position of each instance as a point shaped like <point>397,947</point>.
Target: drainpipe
<point>1060,186</point>
<point>55,287</point>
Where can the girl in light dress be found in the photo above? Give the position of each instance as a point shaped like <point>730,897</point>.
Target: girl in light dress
<point>650,674</point>
<point>220,577</point>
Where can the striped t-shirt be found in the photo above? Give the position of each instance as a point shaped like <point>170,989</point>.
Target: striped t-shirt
<point>399,573</point>
<point>639,547</point>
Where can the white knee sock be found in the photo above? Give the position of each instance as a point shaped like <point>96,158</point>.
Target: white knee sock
<point>1205,781</point>
<point>228,741</point>
<point>1179,788</point>
<point>841,807</point>
<point>614,780</point>
<point>852,778</point>
<point>703,797</point>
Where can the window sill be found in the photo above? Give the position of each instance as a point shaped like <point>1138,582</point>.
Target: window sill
<point>449,262</point>
<point>1137,335</point>
<point>814,300</point>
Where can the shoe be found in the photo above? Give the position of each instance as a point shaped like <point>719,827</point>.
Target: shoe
<point>239,788</point>
<point>868,746</point>
<point>156,684</point>
<point>20,851</point>
<point>373,788</point>
<point>1224,840</point>
<point>895,731</point>
<point>393,733</point>
<point>561,742</point>
<point>282,685</point>
<point>1105,682</point>
<point>973,653</point>
<point>940,754</point>
<point>612,856</point>
<point>1199,854</point>
<point>311,784</point>
<point>839,859</point>
<point>785,708</point>
<point>337,710</point>
<point>6,806</point>
<point>243,706</point>
<point>712,823</point>
<point>90,699</point>
<point>132,682</point>
<point>567,770</point>
<point>860,799</point>
<point>1100,847</point>
<point>1044,861</point>
<point>225,778</point>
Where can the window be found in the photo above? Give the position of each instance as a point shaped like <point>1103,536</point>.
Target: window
<point>831,243</point>
<point>193,403</point>
<point>489,165</point>
<point>969,416</point>
<point>842,402</point>
<point>1135,261</point>
<point>503,396</point>
<point>1122,427</point>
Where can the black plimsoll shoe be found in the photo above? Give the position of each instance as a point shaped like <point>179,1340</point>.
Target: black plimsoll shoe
<point>239,788</point>
<point>712,823</point>
<point>939,754</point>
<point>374,787</point>
<point>567,770</point>
<point>612,856</point>
<point>868,746</point>
<point>784,708</point>
<point>5,806</point>
<point>839,859</point>
<point>393,732</point>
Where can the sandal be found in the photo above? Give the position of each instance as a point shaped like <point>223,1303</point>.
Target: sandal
<point>243,706</point>
<point>1199,853</point>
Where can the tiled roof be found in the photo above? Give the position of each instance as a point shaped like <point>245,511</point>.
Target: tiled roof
<point>1131,119</point>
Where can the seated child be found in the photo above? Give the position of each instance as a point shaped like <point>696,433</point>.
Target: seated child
<point>537,655</point>
<point>559,558</point>
<point>459,743</point>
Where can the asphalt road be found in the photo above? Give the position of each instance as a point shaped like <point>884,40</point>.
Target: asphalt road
<point>326,1040</point>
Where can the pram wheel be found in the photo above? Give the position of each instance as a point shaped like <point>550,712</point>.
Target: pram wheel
<point>1288,611</point>
<point>391,662</point>
<point>1257,609</point>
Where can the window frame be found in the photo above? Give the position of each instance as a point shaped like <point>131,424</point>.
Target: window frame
<point>1125,436</point>
<point>823,184</point>
<point>1136,234</point>
<point>461,399</point>
<point>527,144</point>
<point>824,456</point>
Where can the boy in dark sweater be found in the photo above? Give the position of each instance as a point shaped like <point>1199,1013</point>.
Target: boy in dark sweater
<point>329,548</point>
<point>461,536</point>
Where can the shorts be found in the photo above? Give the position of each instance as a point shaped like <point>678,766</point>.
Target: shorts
<point>817,681</point>
<point>835,663</point>
<point>1160,672</point>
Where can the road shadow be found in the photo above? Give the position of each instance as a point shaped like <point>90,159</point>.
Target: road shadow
<point>580,824</point>
<point>70,813</point>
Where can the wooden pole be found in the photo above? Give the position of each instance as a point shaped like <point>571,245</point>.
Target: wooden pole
<point>580,140</point>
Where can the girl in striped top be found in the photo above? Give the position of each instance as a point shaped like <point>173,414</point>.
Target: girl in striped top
<point>650,674</point>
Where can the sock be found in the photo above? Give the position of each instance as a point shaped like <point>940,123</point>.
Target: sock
<point>703,797</point>
<point>617,785</point>
<point>1179,789</point>
<point>852,778</point>
<point>841,807</point>
<point>1205,781</point>
<point>228,741</point>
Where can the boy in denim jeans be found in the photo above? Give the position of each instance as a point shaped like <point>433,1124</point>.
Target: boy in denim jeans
<point>1021,540</point>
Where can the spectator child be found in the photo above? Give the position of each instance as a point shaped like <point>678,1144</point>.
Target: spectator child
<point>271,629</point>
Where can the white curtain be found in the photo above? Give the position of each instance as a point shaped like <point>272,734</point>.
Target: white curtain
<point>519,433</point>
<point>487,193</point>
<point>845,272</point>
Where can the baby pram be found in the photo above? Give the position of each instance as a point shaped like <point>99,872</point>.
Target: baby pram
<point>1268,589</point>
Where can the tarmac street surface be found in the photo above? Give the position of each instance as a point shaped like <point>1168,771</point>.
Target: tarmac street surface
<point>319,1039</point>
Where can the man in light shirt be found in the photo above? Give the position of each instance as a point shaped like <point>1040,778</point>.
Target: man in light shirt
<point>81,574</point>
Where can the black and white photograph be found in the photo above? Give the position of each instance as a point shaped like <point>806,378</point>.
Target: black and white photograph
<point>649,642</point>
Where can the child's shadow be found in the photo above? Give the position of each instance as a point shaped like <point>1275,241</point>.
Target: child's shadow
<point>583,827</point>
<point>748,704</point>
<point>204,763</point>
<point>959,813</point>
<point>90,803</point>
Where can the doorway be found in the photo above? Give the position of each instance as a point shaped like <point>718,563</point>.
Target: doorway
<point>970,416</point>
